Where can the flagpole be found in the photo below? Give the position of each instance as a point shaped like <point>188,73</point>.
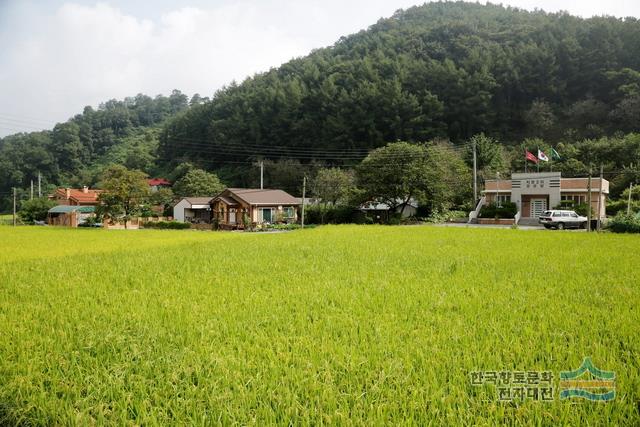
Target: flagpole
<point>525,158</point>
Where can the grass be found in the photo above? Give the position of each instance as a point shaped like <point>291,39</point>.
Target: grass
<point>362,325</point>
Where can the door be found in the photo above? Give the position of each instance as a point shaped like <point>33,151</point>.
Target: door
<point>537,207</point>
<point>232,216</point>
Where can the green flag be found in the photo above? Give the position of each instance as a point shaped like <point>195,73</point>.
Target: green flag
<point>554,154</point>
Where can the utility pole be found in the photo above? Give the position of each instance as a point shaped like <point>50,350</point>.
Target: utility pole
<point>497,189</point>
<point>304,188</point>
<point>629,202</point>
<point>261,174</point>
<point>14,206</point>
<point>39,184</point>
<point>475,175</point>
<point>589,202</point>
<point>31,197</point>
<point>600,199</point>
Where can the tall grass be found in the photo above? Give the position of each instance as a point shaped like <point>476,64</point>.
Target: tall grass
<point>357,325</point>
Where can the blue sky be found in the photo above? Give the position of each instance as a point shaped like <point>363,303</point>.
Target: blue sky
<point>58,56</point>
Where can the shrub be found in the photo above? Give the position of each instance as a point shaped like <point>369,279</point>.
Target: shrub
<point>35,209</point>
<point>167,225</point>
<point>320,214</point>
<point>615,207</point>
<point>506,210</point>
<point>447,216</point>
<point>623,223</point>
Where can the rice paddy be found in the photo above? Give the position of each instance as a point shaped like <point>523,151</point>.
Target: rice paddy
<point>355,325</point>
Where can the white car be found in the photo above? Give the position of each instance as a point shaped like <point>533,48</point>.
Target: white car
<point>562,219</point>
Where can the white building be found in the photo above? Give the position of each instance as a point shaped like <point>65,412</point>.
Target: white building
<point>193,209</point>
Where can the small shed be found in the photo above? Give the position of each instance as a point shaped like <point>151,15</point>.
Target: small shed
<point>69,215</point>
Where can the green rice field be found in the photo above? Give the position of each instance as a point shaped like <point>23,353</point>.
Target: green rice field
<point>338,325</point>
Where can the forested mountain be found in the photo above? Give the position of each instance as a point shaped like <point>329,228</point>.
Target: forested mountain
<point>441,70</point>
<point>438,71</point>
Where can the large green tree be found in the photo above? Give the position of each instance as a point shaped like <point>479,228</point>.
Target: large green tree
<point>125,191</point>
<point>198,183</point>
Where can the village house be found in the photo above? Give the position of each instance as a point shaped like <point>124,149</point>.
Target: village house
<point>234,206</point>
<point>75,206</point>
<point>76,197</point>
<point>156,184</point>
<point>533,193</point>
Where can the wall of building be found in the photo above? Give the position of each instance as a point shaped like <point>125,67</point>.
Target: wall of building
<point>178,210</point>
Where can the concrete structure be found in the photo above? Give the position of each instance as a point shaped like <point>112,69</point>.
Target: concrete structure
<point>533,193</point>
<point>196,210</point>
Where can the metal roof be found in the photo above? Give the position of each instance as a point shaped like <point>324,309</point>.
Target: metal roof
<point>71,208</point>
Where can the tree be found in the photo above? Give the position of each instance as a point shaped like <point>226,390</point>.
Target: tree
<point>489,155</point>
<point>163,197</point>
<point>394,174</point>
<point>198,183</point>
<point>125,191</point>
<point>35,209</point>
<point>334,186</point>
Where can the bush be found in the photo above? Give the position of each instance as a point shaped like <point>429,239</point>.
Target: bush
<point>319,214</point>
<point>506,210</point>
<point>35,209</point>
<point>623,223</point>
<point>166,225</point>
<point>615,207</point>
<point>447,216</point>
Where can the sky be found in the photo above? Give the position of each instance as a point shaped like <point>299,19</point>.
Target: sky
<point>56,56</point>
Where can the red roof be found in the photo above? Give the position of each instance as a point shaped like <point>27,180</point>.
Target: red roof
<point>158,181</point>
<point>80,196</point>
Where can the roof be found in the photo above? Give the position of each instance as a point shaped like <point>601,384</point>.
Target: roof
<point>158,181</point>
<point>256,196</point>
<point>69,208</point>
<point>197,200</point>
<point>79,195</point>
<point>228,200</point>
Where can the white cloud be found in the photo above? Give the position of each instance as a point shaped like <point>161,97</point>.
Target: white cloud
<point>84,55</point>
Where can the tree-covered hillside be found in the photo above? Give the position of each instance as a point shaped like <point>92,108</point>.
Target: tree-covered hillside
<point>438,71</point>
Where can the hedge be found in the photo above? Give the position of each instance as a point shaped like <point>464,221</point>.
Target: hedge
<point>166,225</point>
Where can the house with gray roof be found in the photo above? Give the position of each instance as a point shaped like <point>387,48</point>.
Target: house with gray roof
<point>235,206</point>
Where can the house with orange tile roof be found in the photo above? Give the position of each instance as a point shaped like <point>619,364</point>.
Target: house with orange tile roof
<point>76,197</point>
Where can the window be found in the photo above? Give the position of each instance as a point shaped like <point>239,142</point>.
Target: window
<point>576,199</point>
<point>503,198</point>
<point>556,214</point>
<point>266,214</point>
<point>565,214</point>
<point>288,212</point>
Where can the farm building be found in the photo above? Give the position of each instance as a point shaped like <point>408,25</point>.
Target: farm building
<point>69,215</point>
<point>259,206</point>
<point>196,210</point>
<point>533,193</point>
